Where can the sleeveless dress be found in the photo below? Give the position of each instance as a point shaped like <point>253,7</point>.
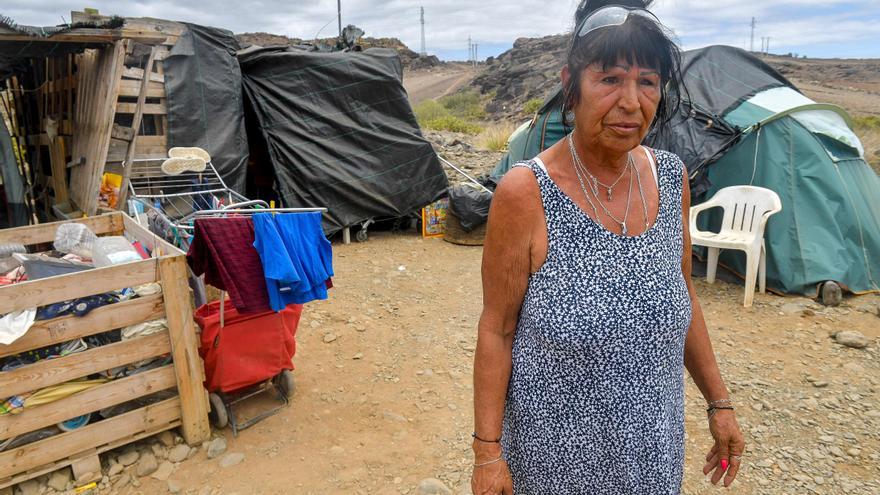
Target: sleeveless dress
<point>595,403</point>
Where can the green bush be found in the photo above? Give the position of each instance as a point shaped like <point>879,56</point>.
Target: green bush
<point>532,106</point>
<point>451,123</point>
<point>430,110</point>
<point>465,105</point>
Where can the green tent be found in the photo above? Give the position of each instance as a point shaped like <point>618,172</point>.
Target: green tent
<point>744,123</point>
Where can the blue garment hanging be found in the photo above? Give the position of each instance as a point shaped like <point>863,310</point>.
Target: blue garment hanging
<point>297,258</point>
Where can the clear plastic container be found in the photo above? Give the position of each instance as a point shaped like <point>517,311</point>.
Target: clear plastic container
<point>75,238</point>
<point>113,250</point>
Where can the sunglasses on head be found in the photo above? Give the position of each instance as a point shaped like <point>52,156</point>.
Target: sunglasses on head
<point>612,15</point>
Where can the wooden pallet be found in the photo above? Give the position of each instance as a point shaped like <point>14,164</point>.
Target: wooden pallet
<point>80,448</point>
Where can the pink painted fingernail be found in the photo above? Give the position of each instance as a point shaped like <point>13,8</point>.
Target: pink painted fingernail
<point>724,464</point>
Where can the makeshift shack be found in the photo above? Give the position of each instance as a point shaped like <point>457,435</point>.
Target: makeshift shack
<point>332,129</point>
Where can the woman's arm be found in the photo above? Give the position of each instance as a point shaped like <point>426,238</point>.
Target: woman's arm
<point>699,359</point>
<point>506,269</point>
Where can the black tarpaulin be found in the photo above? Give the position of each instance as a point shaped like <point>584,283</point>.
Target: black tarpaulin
<point>718,78</point>
<point>203,91</point>
<point>341,134</point>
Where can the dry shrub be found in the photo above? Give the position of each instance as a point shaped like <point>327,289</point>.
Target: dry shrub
<point>868,130</point>
<point>495,138</point>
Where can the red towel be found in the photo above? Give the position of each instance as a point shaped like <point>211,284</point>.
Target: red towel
<point>223,249</point>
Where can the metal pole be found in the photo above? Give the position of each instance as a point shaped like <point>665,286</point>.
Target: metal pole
<point>462,172</point>
<point>752,44</point>
<point>339,15</point>
<point>424,52</point>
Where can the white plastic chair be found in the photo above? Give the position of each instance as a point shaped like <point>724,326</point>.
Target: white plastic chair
<point>746,210</point>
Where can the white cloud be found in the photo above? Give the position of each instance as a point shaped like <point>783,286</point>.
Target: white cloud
<point>790,23</point>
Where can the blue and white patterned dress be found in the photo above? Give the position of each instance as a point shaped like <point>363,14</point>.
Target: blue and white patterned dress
<point>595,403</point>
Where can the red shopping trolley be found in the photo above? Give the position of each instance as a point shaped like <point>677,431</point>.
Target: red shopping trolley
<point>246,355</point>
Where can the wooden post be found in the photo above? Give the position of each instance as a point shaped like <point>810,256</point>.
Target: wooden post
<point>136,128</point>
<point>184,350</point>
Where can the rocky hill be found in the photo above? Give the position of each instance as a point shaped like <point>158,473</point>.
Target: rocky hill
<point>408,57</point>
<point>531,68</point>
<point>527,71</point>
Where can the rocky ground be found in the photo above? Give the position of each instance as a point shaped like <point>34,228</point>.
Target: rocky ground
<point>383,402</point>
<point>460,150</point>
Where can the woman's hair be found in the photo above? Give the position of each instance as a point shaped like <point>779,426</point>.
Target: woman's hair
<point>638,40</point>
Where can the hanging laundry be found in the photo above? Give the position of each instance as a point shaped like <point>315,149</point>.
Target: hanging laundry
<point>223,249</point>
<point>297,257</point>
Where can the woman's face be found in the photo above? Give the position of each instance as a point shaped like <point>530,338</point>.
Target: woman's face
<point>617,105</point>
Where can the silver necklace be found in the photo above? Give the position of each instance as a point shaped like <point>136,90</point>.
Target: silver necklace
<point>584,187</point>
<point>642,196</point>
<point>595,182</point>
<point>608,213</point>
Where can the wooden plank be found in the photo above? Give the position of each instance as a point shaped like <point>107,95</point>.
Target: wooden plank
<point>57,330</point>
<point>121,132</point>
<point>58,162</point>
<point>58,464</point>
<point>149,239</point>
<point>146,147</point>
<point>153,418</point>
<point>59,370</point>
<point>45,232</point>
<point>71,286</point>
<point>149,108</point>
<point>138,73</point>
<point>100,72</point>
<point>184,349</point>
<point>132,87</point>
<point>87,401</point>
<point>136,125</point>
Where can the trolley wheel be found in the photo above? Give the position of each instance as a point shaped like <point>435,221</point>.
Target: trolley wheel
<point>218,414</point>
<point>286,383</point>
<point>361,235</point>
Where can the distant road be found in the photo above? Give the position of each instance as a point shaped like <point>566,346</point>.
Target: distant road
<point>426,85</point>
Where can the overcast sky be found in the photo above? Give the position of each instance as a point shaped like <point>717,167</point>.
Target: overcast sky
<point>816,28</point>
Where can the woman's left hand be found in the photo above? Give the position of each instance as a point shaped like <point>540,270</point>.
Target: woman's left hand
<point>726,455</point>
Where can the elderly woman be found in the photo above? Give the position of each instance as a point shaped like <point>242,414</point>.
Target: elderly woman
<point>589,312</point>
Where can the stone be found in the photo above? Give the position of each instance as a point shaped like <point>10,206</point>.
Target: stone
<point>337,450</point>
<point>166,438</point>
<point>122,482</point>
<point>129,457</point>
<point>358,356</point>
<point>147,465</point>
<point>216,447</point>
<point>164,471</point>
<point>158,451</point>
<point>851,338</point>
<point>831,295</point>
<point>59,480</point>
<point>820,384</point>
<point>179,453</point>
<point>231,459</point>
<point>174,486</point>
<point>115,469</point>
<point>29,487</point>
<point>433,486</point>
<point>329,337</point>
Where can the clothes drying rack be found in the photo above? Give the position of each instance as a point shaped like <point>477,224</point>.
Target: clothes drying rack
<point>181,200</point>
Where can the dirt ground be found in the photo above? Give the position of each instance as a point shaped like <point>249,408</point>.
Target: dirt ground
<point>384,392</point>
<point>436,82</point>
